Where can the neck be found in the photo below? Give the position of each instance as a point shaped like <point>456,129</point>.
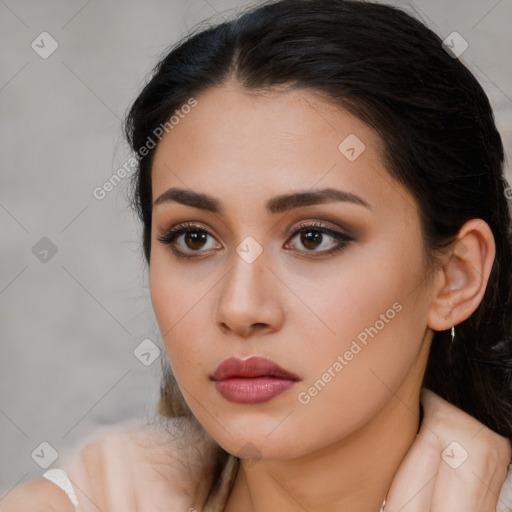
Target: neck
<point>352,474</point>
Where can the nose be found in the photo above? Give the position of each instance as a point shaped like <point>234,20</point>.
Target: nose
<point>249,302</point>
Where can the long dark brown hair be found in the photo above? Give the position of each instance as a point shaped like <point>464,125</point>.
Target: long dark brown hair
<point>439,138</point>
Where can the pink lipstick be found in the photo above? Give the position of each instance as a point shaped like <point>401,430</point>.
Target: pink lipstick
<point>251,381</point>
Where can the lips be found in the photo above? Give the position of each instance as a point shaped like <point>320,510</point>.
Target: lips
<point>252,381</point>
<point>252,367</point>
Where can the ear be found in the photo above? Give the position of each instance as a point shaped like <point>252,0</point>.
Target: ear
<point>463,279</point>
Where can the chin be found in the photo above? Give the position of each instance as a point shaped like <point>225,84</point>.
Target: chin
<point>256,444</point>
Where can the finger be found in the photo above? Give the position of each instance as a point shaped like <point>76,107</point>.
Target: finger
<point>453,491</point>
<point>118,475</point>
<point>491,500</point>
<point>83,469</point>
<point>469,481</point>
<point>412,487</point>
<point>474,459</point>
<point>505,497</point>
<point>98,471</point>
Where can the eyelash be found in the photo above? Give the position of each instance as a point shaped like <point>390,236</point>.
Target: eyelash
<point>169,236</point>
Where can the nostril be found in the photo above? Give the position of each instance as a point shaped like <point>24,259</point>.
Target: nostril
<point>224,327</point>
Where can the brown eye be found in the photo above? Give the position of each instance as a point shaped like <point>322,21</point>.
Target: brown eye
<point>311,239</point>
<point>195,240</point>
<point>185,239</point>
<point>315,236</point>
<point>317,239</point>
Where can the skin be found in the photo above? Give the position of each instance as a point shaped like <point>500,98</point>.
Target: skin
<point>297,307</point>
<point>168,466</point>
<point>296,455</point>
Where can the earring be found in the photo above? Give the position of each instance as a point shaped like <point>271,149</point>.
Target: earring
<point>453,333</point>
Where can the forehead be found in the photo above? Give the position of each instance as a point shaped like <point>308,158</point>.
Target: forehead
<point>245,145</point>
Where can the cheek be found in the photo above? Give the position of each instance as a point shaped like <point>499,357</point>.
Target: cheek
<point>351,380</point>
<point>369,295</point>
<point>174,290</point>
<point>376,314</point>
<point>179,301</point>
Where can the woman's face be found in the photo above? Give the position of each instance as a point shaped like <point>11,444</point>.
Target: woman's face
<point>341,305</point>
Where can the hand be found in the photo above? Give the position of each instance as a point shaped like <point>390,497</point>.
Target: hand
<point>160,467</point>
<point>467,478</point>
<point>142,468</point>
<point>129,467</point>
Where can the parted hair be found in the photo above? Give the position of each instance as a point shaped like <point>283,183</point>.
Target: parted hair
<point>439,141</point>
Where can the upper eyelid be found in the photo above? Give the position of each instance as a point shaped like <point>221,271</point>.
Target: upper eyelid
<point>182,227</point>
<point>191,225</point>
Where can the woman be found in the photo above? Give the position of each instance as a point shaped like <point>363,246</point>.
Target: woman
<point>322,196</point>
<point>335,188</point>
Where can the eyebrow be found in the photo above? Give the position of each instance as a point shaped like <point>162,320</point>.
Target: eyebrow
<point>278,204</point>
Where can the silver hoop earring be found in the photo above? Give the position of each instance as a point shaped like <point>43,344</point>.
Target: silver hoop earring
<point>453,333</point>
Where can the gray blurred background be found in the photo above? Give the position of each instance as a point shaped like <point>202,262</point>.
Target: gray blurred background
<point>74,301</point>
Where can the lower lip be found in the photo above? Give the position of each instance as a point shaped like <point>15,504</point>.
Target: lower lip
<point>254,390</point>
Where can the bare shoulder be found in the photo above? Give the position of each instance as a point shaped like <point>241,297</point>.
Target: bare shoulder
<point>38,495</point>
